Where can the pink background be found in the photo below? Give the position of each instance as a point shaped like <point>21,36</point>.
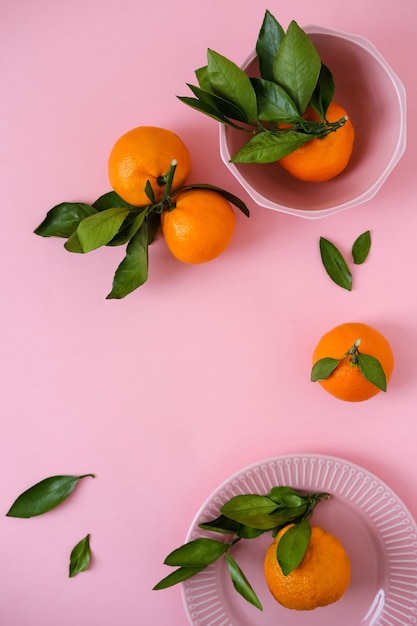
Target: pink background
<point>204,369</point>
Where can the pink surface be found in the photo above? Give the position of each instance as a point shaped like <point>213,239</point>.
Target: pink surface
<point>203,370</point>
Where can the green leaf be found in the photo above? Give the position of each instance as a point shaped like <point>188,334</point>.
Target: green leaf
<point>293,546</point>
<point>73,244</point>
<point>97,230</point>
<point>297,66</point>
<point>181,574</point>
<point>267,147</point>
<point>226,194</point>
<point>240,582</point>
<point>197,553</point>
<point>130,226</point>
<point>223,524</point>
<point>286,497</point>
<point>80,557</point>
<point>247,505</point>
<point>63,219</point>
<point>323,368</point>
<point>224,108</point>
<point>207,109</point>
<point>269,39</point>
<point>372,370</point>
<point>323,93</point>
<point>335,265</point>
<point>274,104</point>
<point>44,496</point>
<point>110,200</point>
<point>202,78</point>
<point>230,82</point>
<point>133,270</point>
<point>361,247</point>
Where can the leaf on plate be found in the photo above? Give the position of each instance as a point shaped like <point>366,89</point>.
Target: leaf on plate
<point>197,553</point>
<point>285,496</point>
<point>44,496</point>
<point>181,574</point>
<point>80,557</point>
<point>241,583</point>
<point>292,546</point>
<point>335,265</point>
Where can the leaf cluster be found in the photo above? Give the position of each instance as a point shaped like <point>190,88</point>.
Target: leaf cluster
<point>248,516</point>
<point>336,265</point>
<point>45,496</point>
<point>369,366</point>
<point>271,107</point>
<point>110,221</point>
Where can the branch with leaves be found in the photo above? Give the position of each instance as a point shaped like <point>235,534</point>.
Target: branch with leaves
<point>248,516</point>
<point>110,221</point>
<point>271,107</point>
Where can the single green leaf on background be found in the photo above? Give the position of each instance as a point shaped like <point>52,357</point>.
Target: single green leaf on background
<point>270,147</point>
<point>97,230</point>
<point>44,496</point>
<point>293,546</point>
<point>335,265</point>
<point>111,200</point>
<point>241,583</point>
<point>80,557</point>
<point>181,574</point>
<point>230,82</point>
<point>230,197</point>
<point>133,270</point>
<point>372,370</point>
<point>323,368</point>
<point>297,66</point>
<point>63,219</point>
<point>285,496</point>
<point>268,42</point>
<point>274,104</point>
<point>197,553</point>
<point>361,247</point>
<point>323,93</point>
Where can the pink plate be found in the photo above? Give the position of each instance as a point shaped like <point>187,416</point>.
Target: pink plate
<point>373,524</point>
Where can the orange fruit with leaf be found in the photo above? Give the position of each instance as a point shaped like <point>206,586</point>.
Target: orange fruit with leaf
<point>353,362</point>
<point>145,154</point>
<point>198,226</point>
<point>321,578</point>
<point>326,157</point>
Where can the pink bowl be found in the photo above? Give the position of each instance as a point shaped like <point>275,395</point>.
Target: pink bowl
<point>375,100</point>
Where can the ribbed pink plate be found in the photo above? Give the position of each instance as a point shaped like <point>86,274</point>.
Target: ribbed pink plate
<point>373,524</point>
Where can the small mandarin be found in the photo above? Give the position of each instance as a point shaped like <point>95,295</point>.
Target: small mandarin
<point>320,160</point>
<point>321,579</point>
<point>347,382</point>
<point>199,227</point>
<point>145,153</point>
